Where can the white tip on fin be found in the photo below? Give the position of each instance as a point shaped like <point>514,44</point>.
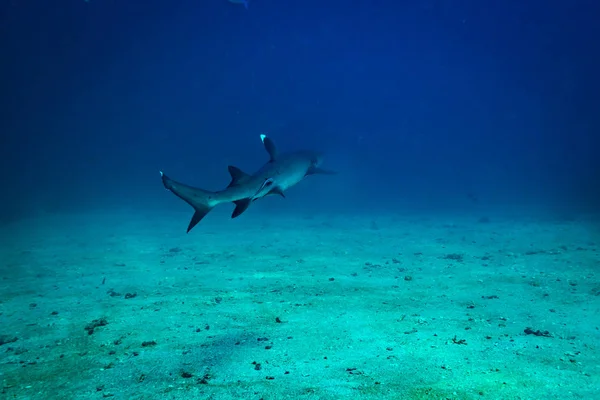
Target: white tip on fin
<point>263,137</point>
<point>161,173</point>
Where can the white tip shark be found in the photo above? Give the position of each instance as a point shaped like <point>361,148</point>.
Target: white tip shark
<point>281,172</point>
<point>244,2</point>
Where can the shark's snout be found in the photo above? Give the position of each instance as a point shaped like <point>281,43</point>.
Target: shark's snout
<point>317,159</point>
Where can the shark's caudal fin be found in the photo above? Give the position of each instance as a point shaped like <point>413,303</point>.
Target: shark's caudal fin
<point>201,200</point>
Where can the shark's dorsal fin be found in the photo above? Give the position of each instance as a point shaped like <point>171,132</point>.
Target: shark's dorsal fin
<point>237,176</point>
<point>270,147</point>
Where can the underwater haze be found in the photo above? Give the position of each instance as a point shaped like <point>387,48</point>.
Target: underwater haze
<point>438,237</point>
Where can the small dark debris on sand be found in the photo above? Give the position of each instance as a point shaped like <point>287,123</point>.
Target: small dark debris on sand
<point>529,331</point>
<point>454,257</point>
<point>149,343</point>
<point>456,340</point>
<point>353,371</point>
<point>535,252</point>
<point>5,339</point>
<point>130,295</point>
<point>204,380</point>
<point>95,324</point>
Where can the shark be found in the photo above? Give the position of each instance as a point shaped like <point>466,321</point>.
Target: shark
<point>244,2</point>
<point>278,174</point>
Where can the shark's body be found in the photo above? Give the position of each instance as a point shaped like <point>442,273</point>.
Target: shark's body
<point>280,173</point>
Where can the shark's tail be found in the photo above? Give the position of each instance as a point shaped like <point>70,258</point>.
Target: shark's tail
<point>202,200</point>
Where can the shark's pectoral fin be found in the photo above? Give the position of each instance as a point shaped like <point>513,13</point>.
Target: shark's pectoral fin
<point>237,176</point>
<point>268,188</point>
<point>319,171</point>
<point>270,147</point>
<point>264,189</point>
<point>240,206</point>
<point>276,190</point>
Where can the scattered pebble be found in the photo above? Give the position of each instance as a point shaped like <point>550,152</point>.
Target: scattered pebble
<point>4,339</point>
<point>204,380</point>
<point>95,324</point>
<point>454,257</point>
<point>529,331</point>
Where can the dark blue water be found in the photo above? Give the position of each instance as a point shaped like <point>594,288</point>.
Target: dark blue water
<point>431,104</point>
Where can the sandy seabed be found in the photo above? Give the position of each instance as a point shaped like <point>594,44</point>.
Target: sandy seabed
<point>128,306</point>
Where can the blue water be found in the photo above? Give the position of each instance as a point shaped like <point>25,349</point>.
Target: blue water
<point>425,103</point>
